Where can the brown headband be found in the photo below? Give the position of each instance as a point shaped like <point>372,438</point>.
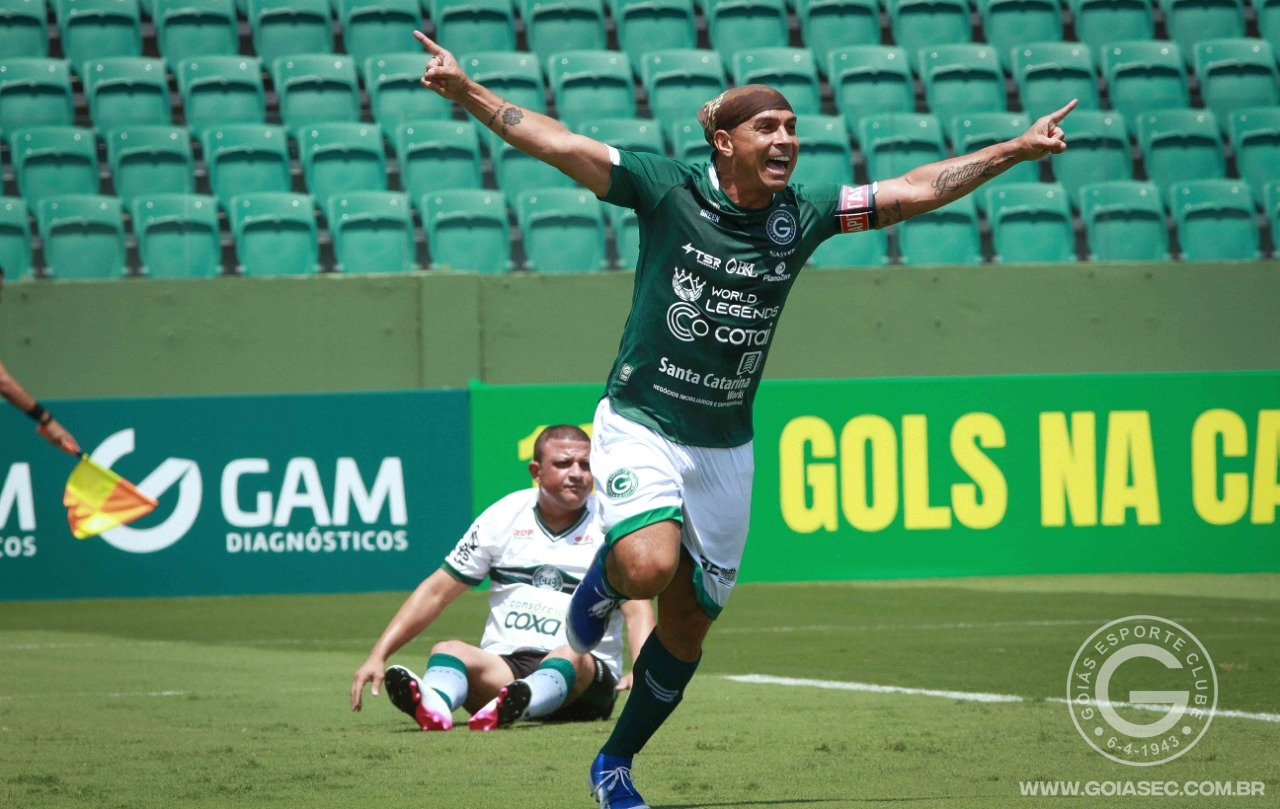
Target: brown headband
<point>736,105</point>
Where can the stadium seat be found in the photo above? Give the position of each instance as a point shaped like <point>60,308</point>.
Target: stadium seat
<point>1030,223</point>
<point>54,160</point>
<point>187,29</point>
<point>1180,145</point>
<point>870,79</point>
<point>150,160</point>
<point>1215,220</point>
<point>1268,16</point>
<point>631,134</point>
<point>1143,76</point>
<point>563,230</point>
<point>1255,137</point>
<point>484,25</point>
<point>825,156</point>
<point>1049,74</point>
<point>373,28</point>
<point>99,29</point>
<point>275,233</point>
<point>372,232</point>
<point>828,25</point>
<point>82,236</point>
<point>437,156</point>
<point>316,87</point>
<point>1124,221</point>
<point>591,84</point>
<point>24,29</point>
<point>653,25</point>
<point>1100,22</point>
<point>177,235</point>
<point>962,79</point>
<point>746,25</point>
<point>1099,152</point>
<point>678,83</point>
<point>342,156</point>
<point>395,95</point>
<point>790,71</point>
<point>519,174</point>
<point>126,91</point>
<point>969,133</point>
<point>15,238</point>
<point>1191,21</point>
<point>290,27</point>
<point>553,26</point>
<point>625,224</point>
<point>894,143</point>
<point>946,235</point>
<point>869,249</point>
<point>1235,74</point>
<point>688,143</point>
<point>1009,25</point>
<point>35,92</point>
<point>515,77</point>
<point>221,90</point>
<point>467,229</point>
<point>918,24</point>
<point>245,159</point>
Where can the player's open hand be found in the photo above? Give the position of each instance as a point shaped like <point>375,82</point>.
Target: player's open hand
<point>442,73</point>
<point>1046,135</point>
<point>370,672</point>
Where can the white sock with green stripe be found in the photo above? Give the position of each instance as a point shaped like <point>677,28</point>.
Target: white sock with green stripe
<point>549,686</point>
<point>447,676</point>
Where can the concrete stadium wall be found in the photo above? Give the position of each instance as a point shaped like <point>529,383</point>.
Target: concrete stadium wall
<point>150,337</point>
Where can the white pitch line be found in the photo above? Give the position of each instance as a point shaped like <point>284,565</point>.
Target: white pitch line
<point>111,695</point>
<point>899,627</point>
<point>965,696</point>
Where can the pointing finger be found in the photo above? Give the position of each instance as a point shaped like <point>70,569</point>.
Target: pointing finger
<point>1057,117</point>
<point>427,44</point>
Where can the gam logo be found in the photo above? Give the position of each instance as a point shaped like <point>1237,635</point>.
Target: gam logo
<point>173,471</point>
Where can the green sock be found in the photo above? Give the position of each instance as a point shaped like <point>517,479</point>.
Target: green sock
<point>658,682</point>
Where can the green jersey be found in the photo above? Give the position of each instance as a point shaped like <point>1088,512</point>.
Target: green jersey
<point>710,283</point>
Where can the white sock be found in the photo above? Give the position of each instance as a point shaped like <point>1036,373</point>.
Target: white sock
<point>447,677</point>
<point>549,687</point>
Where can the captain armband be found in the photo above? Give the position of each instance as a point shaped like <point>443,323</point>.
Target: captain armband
<point>856,211</point>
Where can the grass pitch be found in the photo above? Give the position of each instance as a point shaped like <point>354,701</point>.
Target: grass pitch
<point>221,702</point>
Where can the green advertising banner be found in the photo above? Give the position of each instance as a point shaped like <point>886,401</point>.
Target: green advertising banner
<point>257,494</point>
<point>979,476</point>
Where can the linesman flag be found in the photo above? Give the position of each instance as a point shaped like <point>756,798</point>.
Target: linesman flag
<point>98,500</point>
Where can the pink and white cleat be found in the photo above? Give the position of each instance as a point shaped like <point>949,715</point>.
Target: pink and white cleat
<point>502,710</point>
<point>427,708</point>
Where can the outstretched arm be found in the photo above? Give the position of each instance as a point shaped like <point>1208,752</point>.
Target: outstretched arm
<point>419,610</point>
<point>582,158</point>
<point>933,185</point>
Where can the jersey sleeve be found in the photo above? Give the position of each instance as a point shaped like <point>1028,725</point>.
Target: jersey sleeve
<point>640,179</point>
<point>471,559</point>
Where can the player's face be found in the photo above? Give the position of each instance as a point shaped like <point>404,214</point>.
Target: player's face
<point>564,474</point>
<point>765,149</point>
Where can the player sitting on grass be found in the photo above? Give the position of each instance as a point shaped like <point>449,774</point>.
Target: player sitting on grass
<point>534,546</point>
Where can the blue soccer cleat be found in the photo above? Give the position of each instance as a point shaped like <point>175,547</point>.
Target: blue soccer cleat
<point>590,608</point>
<point>610,782</point>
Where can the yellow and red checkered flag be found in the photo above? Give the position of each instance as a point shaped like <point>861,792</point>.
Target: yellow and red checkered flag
<point>98,500</point>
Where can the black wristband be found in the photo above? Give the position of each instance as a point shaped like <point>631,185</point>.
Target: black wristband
<point>39,415</point>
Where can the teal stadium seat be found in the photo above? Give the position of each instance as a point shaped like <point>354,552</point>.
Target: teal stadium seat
<point>679,82</point>
<point>825,156</point>
<point>188,29</point>
<point>373,28</point>
<point>516,77</point>
<point>518,174</point>
<point>1008,25</point>
<point>1100,22</point>
<point>746,25</point>
<point>867,249</point>
<point>1255,137</point>
<point>484,25</point>
<point>437,156</point>
<point>1181,145</point>
<point>150,160</point>
<point>631,134</point>
<point>339,157</point>
<point>467,229</point>
<point>653,25</point>
<point>82,236</point>
<point>1124,221</point>
<point>962,79</point>
<point>969,133</point>
<point>689,144</point>
<point>625,225</point>
<point>99,29</point>
<point>54,160</point>
<point>290,27</point>
<point>372,232</point>
<point>790,71</point>
<point>895,143</point>
<point>35,92</point>
<point>177,235</point>
<point>563,230</point>
<point>918,24</point>
<point>591,84</point>
<point>1268,17</point>
<point>275,234</point>
<point>870,79</point>
<point>395,95</point>
<point>24,29</point>
<point>1099,152</point>
<point>221,90</point>
<point>127,91</point>
<point>15,238</point>
<point>316,87</point>
<point>1192,21</point>
<point>1143,76</point>
<point>246,159</point>
<point>1049,74</point>
<point>1215,220</point>
<point>1031,223</point>
<point>1236,74</point>
<point>553,26</point>
<point>829,25</point>
<point>946,235</point>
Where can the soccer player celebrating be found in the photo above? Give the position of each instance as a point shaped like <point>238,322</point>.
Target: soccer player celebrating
<point>720,245</point>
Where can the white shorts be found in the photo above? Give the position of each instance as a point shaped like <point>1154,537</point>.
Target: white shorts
<point>643,478</point>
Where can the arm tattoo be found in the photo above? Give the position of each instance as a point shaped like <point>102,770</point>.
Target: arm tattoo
<point>511,116</point>
<point>953,179</point>
<point>891,215</point>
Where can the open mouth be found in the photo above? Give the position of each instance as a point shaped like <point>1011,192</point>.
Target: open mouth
<point>778,165</point>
